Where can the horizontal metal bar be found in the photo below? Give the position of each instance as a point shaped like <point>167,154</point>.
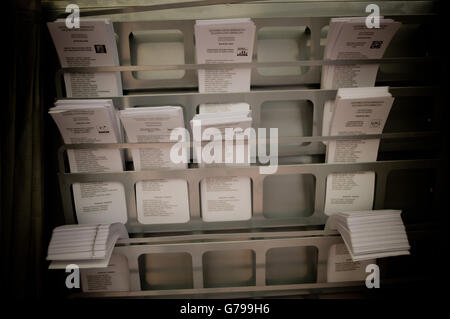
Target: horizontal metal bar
<point>89,12</point>
<point>281,140</point>
<point>127,100</point>
<point>158,7</point>
<point>193,176</point>
<point>247,170</point>
<point>216,66</point>
<point>229,290</point>
<point>299,232</point>
<point>250,291</point>
<point>226,236</point>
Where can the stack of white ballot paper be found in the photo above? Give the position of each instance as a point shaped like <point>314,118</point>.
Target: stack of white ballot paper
<point>371,234</point>
<point>349,38</point>
<point>357,111</point>
<point>224,41</point>
<point>87,246</point>
<point>223,198</point>
<point>93,121</point>
<point>93,44</point>
<point>159,201</point>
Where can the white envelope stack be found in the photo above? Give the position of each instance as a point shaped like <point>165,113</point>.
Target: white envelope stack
<point>371,234</point>
<point>87,246</point>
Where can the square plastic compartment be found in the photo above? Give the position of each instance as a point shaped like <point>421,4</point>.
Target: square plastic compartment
<point>157,47</point>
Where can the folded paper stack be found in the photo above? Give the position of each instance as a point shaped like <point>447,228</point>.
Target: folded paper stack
<point>87,246</point>
<point>371,234</point>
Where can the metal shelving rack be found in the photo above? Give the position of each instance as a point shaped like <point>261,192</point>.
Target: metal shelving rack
<point>262,273</point>
<point>423,151</point>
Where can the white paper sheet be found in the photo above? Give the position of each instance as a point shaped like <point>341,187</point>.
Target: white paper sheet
<point>93,44</point>
<point>115,277</point>
<point>358,111</point>
<point>349,38</point>
<point>341,267</point>
<point>224,41</point>
<point>347,192</point>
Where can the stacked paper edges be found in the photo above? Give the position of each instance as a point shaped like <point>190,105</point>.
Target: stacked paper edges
<point>372,233</point>
<point>87,246</point>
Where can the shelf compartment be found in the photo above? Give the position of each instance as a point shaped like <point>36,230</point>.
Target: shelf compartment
<point>220,264</point>
<point>194,176</point>
<point>304,107</point>
<point>295,39</point>
<point>273,263</point>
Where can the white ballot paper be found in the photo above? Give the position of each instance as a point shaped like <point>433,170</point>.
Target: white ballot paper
<point>225,198</point>
<point>349,191</point>
<point>342,268</point>
<point>92,44</point>
<point>115,277</point>
<point>93,121</point>
<point>159,201</point>
<point>357,111</point>
<point>349,38</point>
<point>224,41</point>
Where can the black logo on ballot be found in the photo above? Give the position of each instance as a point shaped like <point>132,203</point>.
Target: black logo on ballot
<point>376,44</point>
<point>103,129</point>
<point>242,52</point>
